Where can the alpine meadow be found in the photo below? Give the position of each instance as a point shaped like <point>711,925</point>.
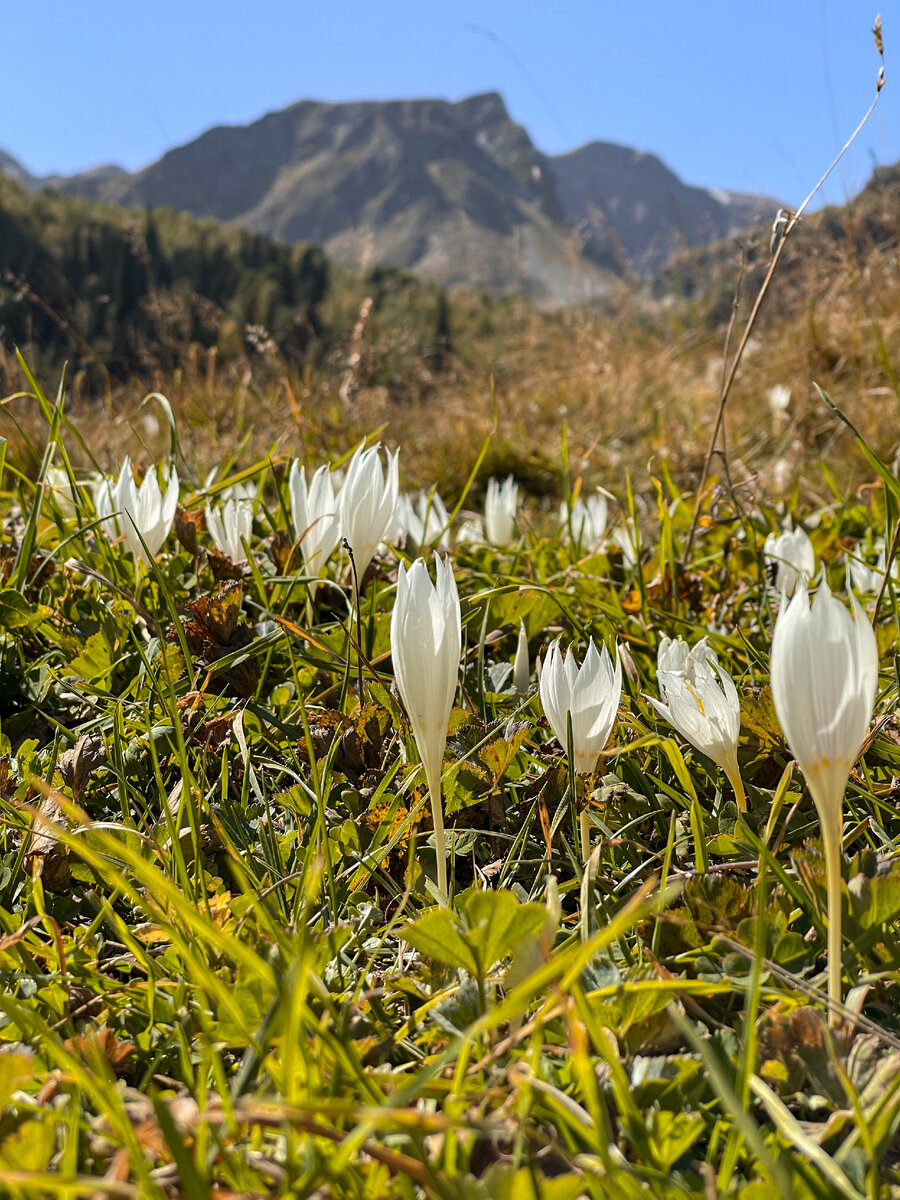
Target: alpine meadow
<point>449,738</point>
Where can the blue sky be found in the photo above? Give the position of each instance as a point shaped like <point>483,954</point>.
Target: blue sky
<point>756,96</point>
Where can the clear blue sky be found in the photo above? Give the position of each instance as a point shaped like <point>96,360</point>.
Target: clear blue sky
<point>755,96</point>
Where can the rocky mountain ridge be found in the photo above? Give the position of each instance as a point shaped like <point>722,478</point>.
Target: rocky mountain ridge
<point>456,192</point>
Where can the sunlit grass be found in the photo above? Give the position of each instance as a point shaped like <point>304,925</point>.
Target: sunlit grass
<point>225,963</point>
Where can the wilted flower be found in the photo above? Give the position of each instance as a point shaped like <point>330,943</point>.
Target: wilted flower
<point>140,515</point>
<point>700,700</point>
<point>314,516</point>
<point>367,502</point>
<point>423,522</point>
<point>586,518</point>
<point>787,557</point>
<point>500,504</point>
<point>824,672</point>
<point>231,529</point>
<point>426,642</point>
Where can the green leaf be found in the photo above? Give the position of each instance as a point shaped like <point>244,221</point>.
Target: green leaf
<point>94,663</point>
<point>16,612</point>
<point>437,935</point>
<point>536,609</point>
<point>503,1182</point>
<point>498,922</point>
<point>15,1069</point>
<point>30,1147</point>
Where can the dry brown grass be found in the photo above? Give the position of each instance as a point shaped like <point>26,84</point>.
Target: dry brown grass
<point>633,387</point>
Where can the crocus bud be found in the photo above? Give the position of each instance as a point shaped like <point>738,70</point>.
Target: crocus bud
<point>700,700</point>
<point>426,642</point>
<point>230,530</point>
<point>367,502</point>
<point>500,506</point>
<point>521,663</point>
<point>824,672</point>
<point>314,516</point>
<point>142,516</point>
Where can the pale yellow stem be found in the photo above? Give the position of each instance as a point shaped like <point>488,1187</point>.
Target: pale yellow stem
<point>584,826</point>
<point>734,778</point>
<point>831,838</point>
<point>433,776</point>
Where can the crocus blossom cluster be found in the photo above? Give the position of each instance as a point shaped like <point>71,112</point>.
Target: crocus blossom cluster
<point>141,516</point>
<point>422,521</point>
<point>362,510</point>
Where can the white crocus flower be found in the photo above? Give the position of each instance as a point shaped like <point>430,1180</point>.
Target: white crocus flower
<point>699,699</point>
<point>231,529</point>
<point>587,519</point>
<point>422,522</point>
<point>60,491</point>
<point>500,505</point>
<point>627,538</point>
<point>367,503</point>
<point>589,693</point>
<point>470,531</point>
<point>824,673</point>
<point>426,642</point>
<point>314,514</point>
<point>142,516</point>
<point>868,579</point>
<point>588,696</point>
<point>788,556</point>
<point>782,475</point>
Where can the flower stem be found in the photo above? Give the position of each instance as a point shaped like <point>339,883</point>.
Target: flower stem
<point>734,778</point>
<point>433,776</point>
<point>831,838</point>
<point>584,827</point>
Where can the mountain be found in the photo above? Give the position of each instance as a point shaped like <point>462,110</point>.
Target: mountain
<point>456,192</point>
<point>14,170</point>
<point>632,210</point>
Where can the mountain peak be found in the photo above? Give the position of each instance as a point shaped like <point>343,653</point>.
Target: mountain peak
<point>454,190</point>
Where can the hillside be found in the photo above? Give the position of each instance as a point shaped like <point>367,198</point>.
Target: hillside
<point>457,193</point>
<point>127,292</point>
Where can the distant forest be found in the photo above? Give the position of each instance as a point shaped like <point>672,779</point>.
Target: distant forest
<point>132,292</point>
